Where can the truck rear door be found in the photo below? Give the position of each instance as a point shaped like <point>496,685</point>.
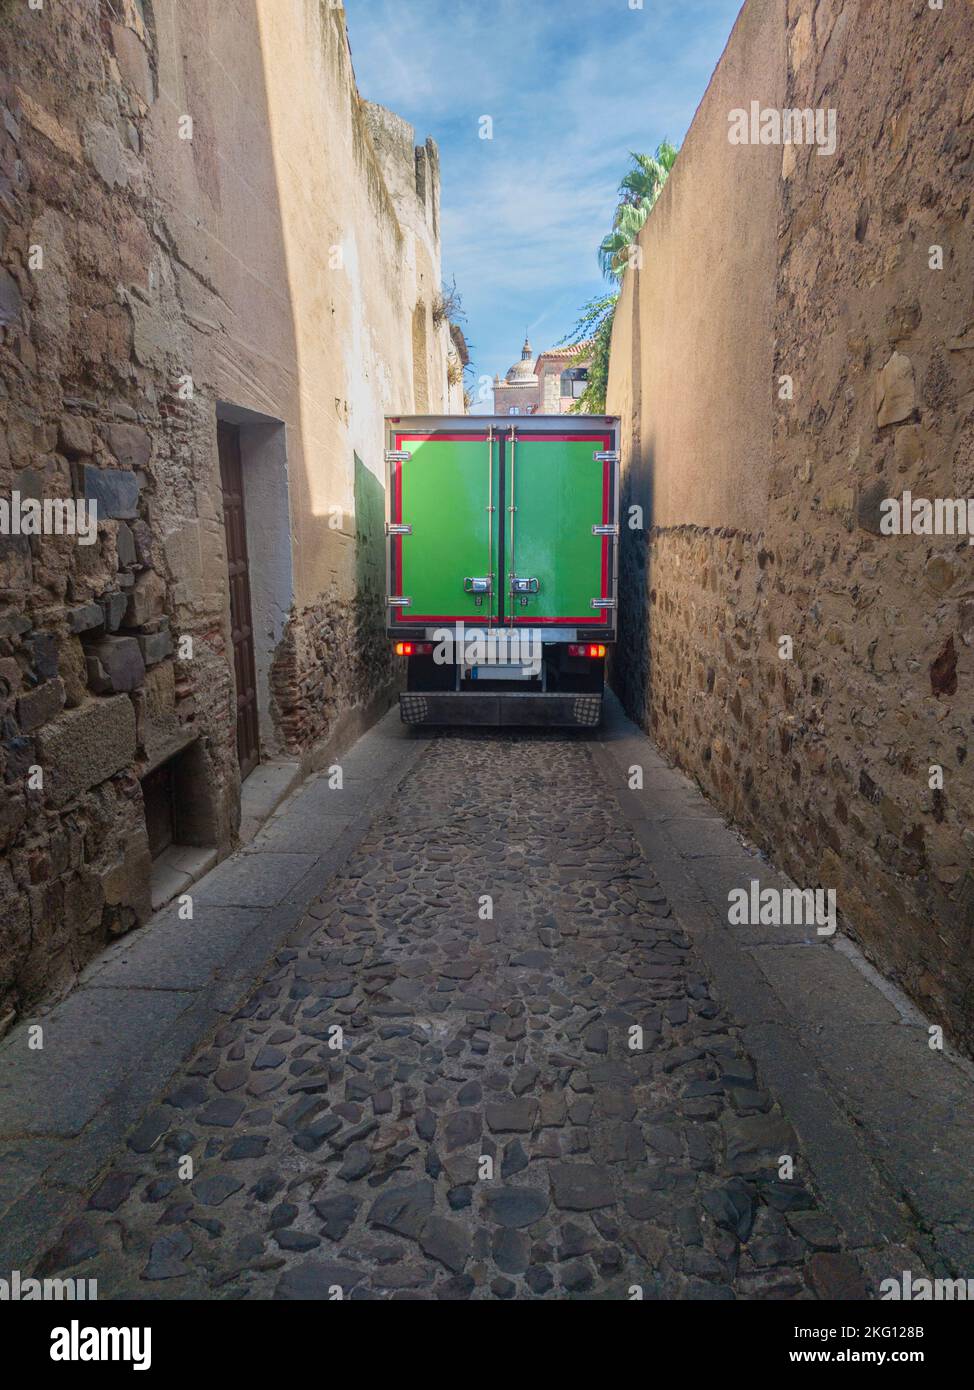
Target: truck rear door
<point>560,498</point>
<point>502,525</point>
<point>444,488</point>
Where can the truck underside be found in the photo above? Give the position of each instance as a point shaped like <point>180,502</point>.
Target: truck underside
<point>566,690</point>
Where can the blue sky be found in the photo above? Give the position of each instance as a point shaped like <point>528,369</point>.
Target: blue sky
<point>571,86</point>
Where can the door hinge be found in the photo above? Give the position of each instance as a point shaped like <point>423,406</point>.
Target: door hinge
<point>397,456</point>
<point>397,601</point>
<point>395,528</point>
<point>603,603</point>
<point>611,530</point>
<point>606,456</point>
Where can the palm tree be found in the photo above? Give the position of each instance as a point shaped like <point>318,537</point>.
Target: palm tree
<point>614,248</point>
<point>646,179</point>
<point>638,192</point>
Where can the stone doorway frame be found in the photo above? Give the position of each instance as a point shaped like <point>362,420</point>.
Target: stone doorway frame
<point>264,463</point>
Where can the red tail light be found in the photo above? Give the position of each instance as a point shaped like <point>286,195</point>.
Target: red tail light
<point>414,649</point>
<point>592,649</point>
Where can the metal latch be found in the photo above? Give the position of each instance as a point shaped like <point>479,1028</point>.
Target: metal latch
<point>396,528</point>
<point>478,585</point>
<point>397,456</point>
<point>603,603</point>
<point>522,588</point>
<point>607,456</point>
<point>612,530</point>
<point>398,602</point>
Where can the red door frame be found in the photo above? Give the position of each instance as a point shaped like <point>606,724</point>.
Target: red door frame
<point>448,436</point>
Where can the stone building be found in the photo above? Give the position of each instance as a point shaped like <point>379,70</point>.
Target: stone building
<point>517,393</point>
<point>814,673</point>
<point>218,271</point>
<point>562,375</point>
<point>548,386</point>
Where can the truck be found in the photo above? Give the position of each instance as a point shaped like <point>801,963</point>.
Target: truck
<point>502,544</point>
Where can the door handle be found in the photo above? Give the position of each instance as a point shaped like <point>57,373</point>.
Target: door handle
<point>478,585</point>
<point>522,588</point>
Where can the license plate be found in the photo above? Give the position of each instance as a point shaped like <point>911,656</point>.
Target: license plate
<point>501,673</point>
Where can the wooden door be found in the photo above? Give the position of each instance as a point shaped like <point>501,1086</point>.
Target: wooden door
<point>241,622</point>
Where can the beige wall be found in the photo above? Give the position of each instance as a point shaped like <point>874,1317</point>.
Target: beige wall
<point>308,259</point>
<point>765,262</point>
<point>709,256</point>
<point>283,168</point>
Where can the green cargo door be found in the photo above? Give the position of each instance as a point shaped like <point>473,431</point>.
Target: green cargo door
<point>556,492</point>
<point>446,491</point>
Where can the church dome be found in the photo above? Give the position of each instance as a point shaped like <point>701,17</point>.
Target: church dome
<point>522,373</point>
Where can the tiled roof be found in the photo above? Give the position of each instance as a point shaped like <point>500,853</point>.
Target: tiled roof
<point>565,354</point>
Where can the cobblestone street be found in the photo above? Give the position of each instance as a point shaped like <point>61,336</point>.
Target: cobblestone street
<point>486,669</point>
<point>613,1166</point>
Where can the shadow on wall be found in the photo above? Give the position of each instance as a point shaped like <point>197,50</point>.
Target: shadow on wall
<point>372,651</point>
<point>370,555</point>
<point>630,669</point>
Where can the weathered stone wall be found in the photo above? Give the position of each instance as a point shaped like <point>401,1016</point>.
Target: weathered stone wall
<point>84,629</point>
<point>762,512</point>
<point>265,262</point>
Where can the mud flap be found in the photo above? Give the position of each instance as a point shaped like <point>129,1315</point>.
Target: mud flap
<point>497,709</point>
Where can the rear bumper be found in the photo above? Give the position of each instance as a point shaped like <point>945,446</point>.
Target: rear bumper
<point>495,708</point>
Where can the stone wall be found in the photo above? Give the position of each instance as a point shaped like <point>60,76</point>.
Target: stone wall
<point>198,219</point>
<point>788,357</point>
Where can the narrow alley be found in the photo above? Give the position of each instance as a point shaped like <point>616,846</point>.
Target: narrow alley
<point>486,668</point>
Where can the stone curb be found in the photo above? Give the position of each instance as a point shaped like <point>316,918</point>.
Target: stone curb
<point>850,1155</point>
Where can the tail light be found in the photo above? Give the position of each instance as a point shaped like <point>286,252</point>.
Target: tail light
<point>592,649</point>
<point>414,649</point>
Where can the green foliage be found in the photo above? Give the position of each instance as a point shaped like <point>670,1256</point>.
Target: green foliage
<point>614,248</point>
<point>645,180</point>
<point>638,191</point>
<point>640,187</point>
<point>595,328</point>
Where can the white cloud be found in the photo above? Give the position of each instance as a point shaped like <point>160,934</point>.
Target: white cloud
<point>572,86</point>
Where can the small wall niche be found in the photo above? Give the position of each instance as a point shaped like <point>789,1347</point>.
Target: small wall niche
<point>180,820</point>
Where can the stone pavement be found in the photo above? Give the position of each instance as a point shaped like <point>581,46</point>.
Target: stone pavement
<point>886,1121</point>
<point>145,1005</point>
<point>435,1089</point>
